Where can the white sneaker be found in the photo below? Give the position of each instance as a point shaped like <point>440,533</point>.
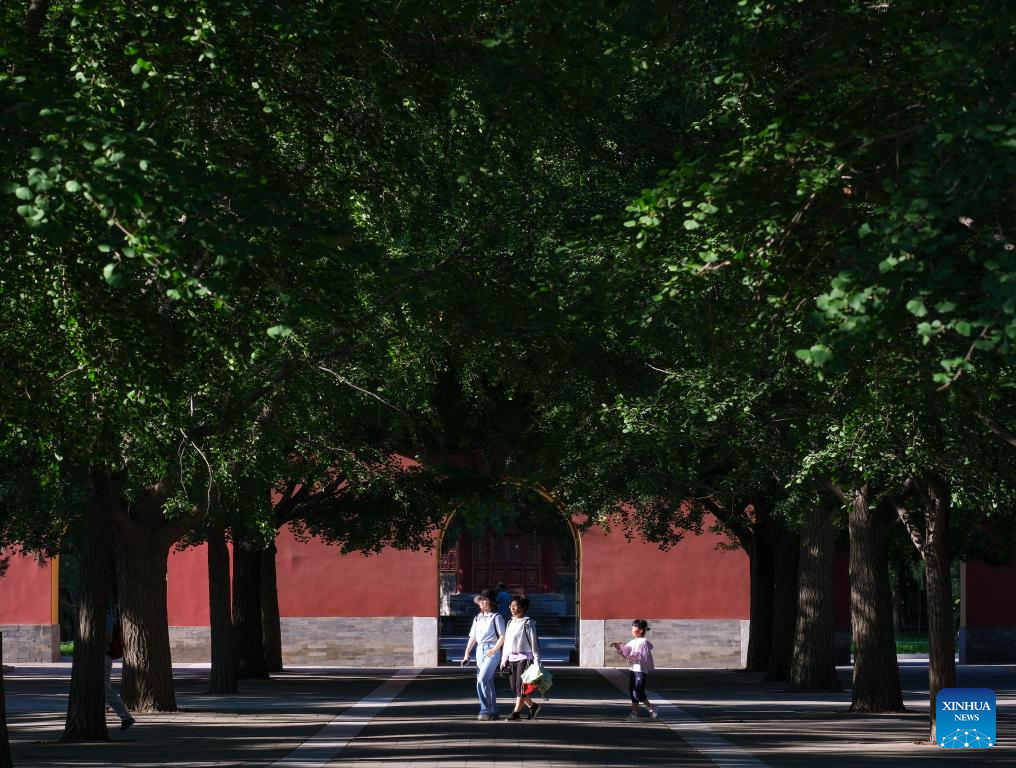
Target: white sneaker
<point>633,717</point>
<point>653,713</point>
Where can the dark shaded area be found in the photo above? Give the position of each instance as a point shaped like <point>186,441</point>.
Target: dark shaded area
<point>432,720</point>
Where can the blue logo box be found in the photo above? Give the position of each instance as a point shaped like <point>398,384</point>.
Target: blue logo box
<point>965,718</point>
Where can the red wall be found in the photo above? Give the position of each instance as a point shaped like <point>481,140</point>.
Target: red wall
<point>619,579</point>
<point>989,601</point>
<point>26,592</point>
<point>187,596</point>
<point>693,580</point>
<point>315,580</point>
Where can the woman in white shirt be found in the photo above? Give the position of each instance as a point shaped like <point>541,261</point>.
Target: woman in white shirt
<point>522,648</point>
<point>486,634</point>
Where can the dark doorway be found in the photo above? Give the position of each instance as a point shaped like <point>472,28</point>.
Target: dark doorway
<point>520,540</point>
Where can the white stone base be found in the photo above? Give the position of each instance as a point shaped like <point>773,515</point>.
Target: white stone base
<point>30,643</point>
<point>716,643</point>
<point>425,641</point>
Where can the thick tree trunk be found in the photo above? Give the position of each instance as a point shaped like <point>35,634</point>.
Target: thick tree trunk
<point>5,744</point>
<point>247,610</point>
<point>35,18</point>
<point>781,654</point>
<point>762,577</point>
<point>941,650</point>
<point>876,673</point>
<point>222,678</point>
<point>270,621</point>
<point>86,707</point>
<point>147,661</point>
<point>814,666</point>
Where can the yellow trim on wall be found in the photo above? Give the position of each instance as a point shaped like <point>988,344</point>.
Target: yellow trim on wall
<point>54,591</point>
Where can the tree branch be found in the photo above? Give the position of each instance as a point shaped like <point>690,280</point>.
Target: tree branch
<point>908,522</point>
<point>998,428</point>
<point>835,489</point>
<point>738,523</point>
<point>367,392</point>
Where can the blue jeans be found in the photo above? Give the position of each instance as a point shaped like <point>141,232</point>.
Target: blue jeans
<point>485,668</point>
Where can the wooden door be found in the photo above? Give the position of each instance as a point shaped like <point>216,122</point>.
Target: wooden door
<point>514,558</point>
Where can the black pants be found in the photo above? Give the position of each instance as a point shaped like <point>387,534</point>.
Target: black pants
<point>516,670</point>
<point>637,687</point>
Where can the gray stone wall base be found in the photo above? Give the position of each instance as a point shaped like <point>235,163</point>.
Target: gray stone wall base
<point>716,643</point>
<point>404,641</point>
<point>190,645</point>
<point>412,641</point>
<point>360,641</point>
<point>994,645</point>
<point>31,643</point>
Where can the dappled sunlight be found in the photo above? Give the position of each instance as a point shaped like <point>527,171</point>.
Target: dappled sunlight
<point>705,715</point>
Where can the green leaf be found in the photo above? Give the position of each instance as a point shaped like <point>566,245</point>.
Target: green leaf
<point>24,193</point>
<point>112,275</point>
<point>490,42</point>
<point>72,186</point>
<point>916,307</point>
<point>864,230</point>
<point>820,354</point>
<point>280,331</point>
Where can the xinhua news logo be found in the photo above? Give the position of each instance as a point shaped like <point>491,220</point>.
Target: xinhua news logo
<point>965,718</point>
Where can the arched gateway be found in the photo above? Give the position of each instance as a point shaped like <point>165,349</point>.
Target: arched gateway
<point>524,542</point>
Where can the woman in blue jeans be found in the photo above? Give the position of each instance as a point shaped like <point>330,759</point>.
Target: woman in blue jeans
<point>488,627</point>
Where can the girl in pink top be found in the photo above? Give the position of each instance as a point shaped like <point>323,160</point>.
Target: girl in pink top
<point>639,653</point>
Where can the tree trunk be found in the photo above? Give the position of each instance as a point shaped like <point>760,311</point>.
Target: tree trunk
<point>147,661</point>
<point>781,653</point>
<point>222,678</point>
<point>270,621</point>
<point>941,651</point>
<point>762,578</point>
<point>34,20</point>
<point>5,744</point>
<point>876,673</point>
<point>247,610</point>
<point>86,707</point>
<point>814,667</point>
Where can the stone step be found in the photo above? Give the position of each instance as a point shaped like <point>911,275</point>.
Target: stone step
<point>546,624</point>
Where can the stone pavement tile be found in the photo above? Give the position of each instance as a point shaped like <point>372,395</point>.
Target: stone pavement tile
<point>794,729</point>
<point>262,723</point>
<point>433,724</point>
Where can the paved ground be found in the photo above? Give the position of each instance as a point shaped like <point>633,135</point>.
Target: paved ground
<point>310,718</point>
